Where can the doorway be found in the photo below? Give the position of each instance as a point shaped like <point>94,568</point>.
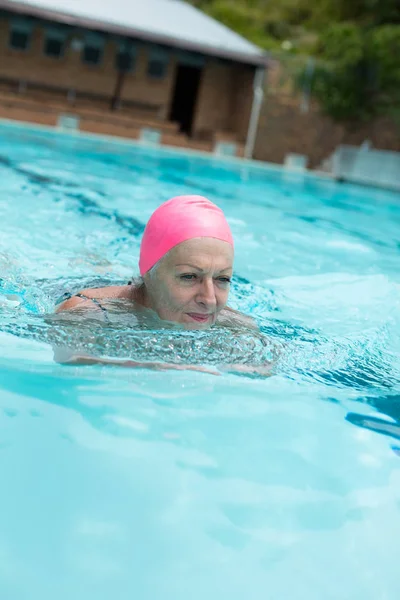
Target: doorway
<point>184,96</point>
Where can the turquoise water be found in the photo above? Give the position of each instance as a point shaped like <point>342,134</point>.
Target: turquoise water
<point>125,484</point>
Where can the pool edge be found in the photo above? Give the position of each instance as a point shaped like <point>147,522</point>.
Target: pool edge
<point>244,162</point>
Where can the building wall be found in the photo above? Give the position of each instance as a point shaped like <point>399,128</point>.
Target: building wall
<point>215,100</point>
<point>66,72</point>
<point>285,128</point>
<point>243,100</point>
<point>224,98</point>
<point>71,73</point>
<point>140,88</point>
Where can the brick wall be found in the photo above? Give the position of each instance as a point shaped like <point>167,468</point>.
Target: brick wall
<point>70,72</point>
<point>243,100</point>
<point>141,88</point>
<point>214,104</point>
<point>67,72</point>
<point>284,128</point>
<point>224,98</point>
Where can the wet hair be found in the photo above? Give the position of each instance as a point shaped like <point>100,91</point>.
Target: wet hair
<point>138,283</point>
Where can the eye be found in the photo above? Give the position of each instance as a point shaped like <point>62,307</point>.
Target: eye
<point>187,276</point>
<point>225,280</point>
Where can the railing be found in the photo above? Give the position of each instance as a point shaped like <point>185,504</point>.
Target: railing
<point>367,166</point>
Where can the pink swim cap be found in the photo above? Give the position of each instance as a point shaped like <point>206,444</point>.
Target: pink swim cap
<point>177,220</point>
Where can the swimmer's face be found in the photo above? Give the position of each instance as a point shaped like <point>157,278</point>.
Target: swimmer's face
<point>190,285</point>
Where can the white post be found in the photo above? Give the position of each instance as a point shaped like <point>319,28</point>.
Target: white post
<point>258,96</point>
<point>308,76</point>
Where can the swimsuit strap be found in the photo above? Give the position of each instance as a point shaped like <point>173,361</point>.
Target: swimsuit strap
<point>68,296</point>
<point>97,303</point>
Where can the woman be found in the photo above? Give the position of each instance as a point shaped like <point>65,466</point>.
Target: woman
<point>186,266</point>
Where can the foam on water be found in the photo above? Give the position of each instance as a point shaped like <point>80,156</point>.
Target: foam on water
<point>177,484</point>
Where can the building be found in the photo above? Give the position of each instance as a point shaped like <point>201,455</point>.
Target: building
<point>155,69</point>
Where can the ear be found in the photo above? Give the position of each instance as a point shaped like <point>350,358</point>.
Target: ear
<point>150,275</point>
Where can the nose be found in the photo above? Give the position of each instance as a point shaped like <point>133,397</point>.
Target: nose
<point>206,293</point>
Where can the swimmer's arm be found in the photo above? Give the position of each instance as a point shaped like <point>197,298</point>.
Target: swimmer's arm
<point>259,371</point>
<point>250,371</point>
<point>238,318</point>
<point>66,356</point>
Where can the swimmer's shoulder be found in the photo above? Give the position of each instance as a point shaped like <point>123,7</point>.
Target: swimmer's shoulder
<point>231,317</point>
<point>85,297</point>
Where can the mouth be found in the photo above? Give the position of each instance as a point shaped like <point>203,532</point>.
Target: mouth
<point>199,317</point>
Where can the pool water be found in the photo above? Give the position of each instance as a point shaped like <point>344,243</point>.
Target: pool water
<point>120,483</point>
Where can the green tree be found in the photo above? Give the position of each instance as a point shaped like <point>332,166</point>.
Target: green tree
<point>355,44</point>
<point>358,76</point>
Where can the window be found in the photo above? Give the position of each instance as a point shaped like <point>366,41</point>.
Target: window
<point>191,59</point>
<point>20,34</point>
<point>19,40</point>
<point>158,63</point>
<point>125,58</point>
<point>54,43</point>
<point>93,50</point>
<point>124,61</point>
<point>54,48</point>
<point>156,69</point>
<point>92,55</point>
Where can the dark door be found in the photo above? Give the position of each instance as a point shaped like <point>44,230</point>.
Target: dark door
<point>184,96</point>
